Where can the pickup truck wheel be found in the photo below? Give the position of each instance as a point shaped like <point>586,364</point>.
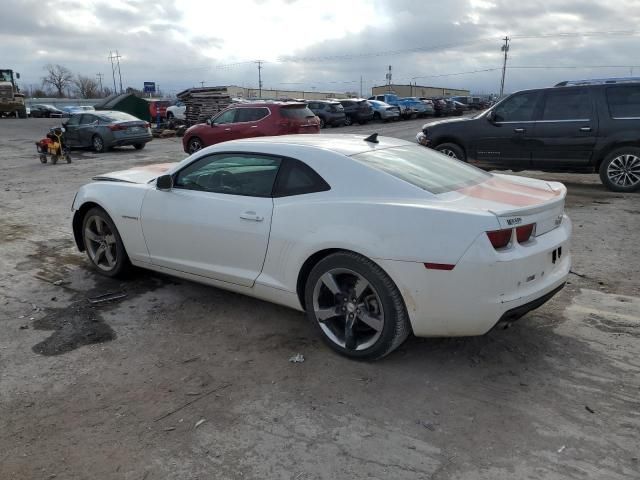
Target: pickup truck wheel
<point>620,170</point>
<point>452,150</point>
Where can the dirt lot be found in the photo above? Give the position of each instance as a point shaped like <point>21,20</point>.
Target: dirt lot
<point>118,391</point>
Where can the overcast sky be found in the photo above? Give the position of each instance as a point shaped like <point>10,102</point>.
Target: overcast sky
<point>321,44</point>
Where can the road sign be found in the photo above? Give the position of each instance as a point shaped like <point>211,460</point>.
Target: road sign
<point>149,87</point>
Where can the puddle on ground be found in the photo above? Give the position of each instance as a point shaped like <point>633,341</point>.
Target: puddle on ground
<point>81,323</point>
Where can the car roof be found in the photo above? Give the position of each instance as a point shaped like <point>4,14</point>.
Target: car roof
<point>344,144</point>
<point>266,103</point>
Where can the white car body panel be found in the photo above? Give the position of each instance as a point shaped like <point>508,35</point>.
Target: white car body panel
<point>178,111</point>
<point>368,211</point>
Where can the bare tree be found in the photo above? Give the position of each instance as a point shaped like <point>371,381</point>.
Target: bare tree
<point>87,87</point>
<point>58,77</point>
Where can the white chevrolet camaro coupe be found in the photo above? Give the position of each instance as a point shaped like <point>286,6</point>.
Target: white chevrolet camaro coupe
<point>373,237</point>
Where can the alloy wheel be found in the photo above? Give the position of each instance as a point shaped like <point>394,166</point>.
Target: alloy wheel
<point>194,145</point>
<point>98,144</point>
<point>100,242</point>
<point>348,309</point>
<point>448,153</point>
<point>624,170</point>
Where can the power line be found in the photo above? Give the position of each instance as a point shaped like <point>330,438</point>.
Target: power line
<point>582,34</point>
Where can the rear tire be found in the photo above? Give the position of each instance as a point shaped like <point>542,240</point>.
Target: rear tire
<point>452,150</point>
<point>100,236</point>
<point>139,146</point>
<point>620,170</point>
<point>322,123</point>
<point>376,116</point>
<point>348,120</point>
<point>355,306</point>
<point>98,144</point>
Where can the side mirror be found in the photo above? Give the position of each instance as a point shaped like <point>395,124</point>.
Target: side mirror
<point>164,182</point>
<point>208,122</point>
<point>491,116</point>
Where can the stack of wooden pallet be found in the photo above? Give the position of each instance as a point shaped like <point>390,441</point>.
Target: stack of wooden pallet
<point>203,103</point>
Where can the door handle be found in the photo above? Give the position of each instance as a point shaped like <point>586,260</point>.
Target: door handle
<point>251,216</point>
<point>254,126</point>
<point>585,129</point>
<point>518,130</point>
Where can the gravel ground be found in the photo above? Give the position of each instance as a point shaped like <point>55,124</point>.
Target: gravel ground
<point>182,381</point>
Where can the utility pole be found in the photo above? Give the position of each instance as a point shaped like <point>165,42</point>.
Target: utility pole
<point>505,49</point>
<point>360,86</point>
<point>118,57</point>
<point>99,75</point>
<point>202,84</point>
<point>389,79</point>
<point>259,62</point>
<point>113,73</point>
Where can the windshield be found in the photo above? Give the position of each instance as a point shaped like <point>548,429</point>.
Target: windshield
<point>424,168</point>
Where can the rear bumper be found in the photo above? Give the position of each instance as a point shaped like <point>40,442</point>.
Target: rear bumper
<point>484,287</point>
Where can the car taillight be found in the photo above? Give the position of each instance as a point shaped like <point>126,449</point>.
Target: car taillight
<point>523,233</point>
<point>114,128</point>
<point>147,125</point>
<point>500,238</point>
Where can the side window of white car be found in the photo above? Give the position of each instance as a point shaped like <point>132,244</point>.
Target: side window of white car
<point>232,173</point>
<point>298,178</point>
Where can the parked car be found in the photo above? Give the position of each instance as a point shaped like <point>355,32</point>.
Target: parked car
<point>305,221</point>
<point>456,108</point>
<point>383,111</point>
<point>419,107</point>
<point>328,112</point>
<point>440,107</point>
<point>392,99</point>
<point>357,110</point>
<point>106,129</point>
<point>431,109</point>
<point>45,111</point>
<point>245,120</point>
<point>73,109</point>
<point>479,103</point>
<point>177,110</point>
<point>586,126</point>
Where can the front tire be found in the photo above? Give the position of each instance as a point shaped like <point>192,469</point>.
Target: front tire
<point>322,123</point>
<point>139,146</point>
<point>194,145</point>
<point>103,244</point>
<point>452,150</point>
<point>620,170</point>
<point>355,306</point>
<point>348,120</point>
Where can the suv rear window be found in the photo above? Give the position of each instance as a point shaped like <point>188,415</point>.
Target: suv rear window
<point>624,101</point>
<point>423,168</point>
<point>297,112</point>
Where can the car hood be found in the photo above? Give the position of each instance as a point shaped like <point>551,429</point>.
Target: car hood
<point>448,120</point>
<point>141,174</point>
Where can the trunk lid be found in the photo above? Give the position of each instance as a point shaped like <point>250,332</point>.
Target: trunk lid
<point>515,201</point>
<point>141,174</point>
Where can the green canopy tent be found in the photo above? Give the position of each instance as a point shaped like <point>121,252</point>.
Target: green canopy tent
<point>128,103</point>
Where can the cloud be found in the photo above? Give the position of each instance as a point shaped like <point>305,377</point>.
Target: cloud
<point>327,45</point>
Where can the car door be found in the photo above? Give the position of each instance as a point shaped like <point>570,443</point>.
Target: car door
<point>247,122</point>
<point>71,131</point>
<point>222,127</point>
<point>566,133</point>
<point>216,219</point>
<point>86,129</point>
<point>503,138</point>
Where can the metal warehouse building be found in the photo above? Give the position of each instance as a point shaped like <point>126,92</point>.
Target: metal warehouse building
<point>418,91</point>
<point>242,92</point>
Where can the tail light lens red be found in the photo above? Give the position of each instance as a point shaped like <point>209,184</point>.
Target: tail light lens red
<point>523,233</point>
<point>147,125</point>
<point>500,238</point>
<point>115,128</point>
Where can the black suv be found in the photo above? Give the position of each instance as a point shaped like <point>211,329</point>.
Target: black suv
<point>357,110</point>
<point>328,111</point>
<point>581,126</point>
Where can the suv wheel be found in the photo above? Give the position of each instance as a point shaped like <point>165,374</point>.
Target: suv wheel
<point>348,120</point>
<point>620,170</point>
<point>452,150</point>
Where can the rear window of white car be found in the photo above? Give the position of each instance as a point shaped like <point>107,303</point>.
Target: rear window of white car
<point>424,168</point>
